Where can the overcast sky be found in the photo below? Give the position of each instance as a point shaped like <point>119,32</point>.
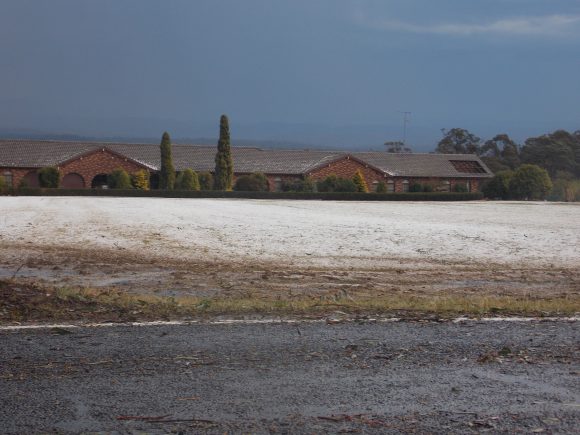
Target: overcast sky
<point>333,72</point>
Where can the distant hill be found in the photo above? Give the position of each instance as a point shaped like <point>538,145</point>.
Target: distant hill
<point>267,144</point>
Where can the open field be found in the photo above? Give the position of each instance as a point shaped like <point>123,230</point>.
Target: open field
<point>297,256</point>
<point>340,275</point>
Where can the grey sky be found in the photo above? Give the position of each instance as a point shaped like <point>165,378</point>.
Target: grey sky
<point>332,72</point>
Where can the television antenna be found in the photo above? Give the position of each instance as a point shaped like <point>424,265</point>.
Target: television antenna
<point>406,120</point>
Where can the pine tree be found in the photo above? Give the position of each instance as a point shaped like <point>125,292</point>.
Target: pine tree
<point>359,180</point>
<point>167,174</point>
<point>224,167</point>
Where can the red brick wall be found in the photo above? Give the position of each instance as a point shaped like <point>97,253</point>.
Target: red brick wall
<point>346,168</point>
<point>437,183</point>
<point>17,174</point>
<point>98,162</point>
<point>87,166</point>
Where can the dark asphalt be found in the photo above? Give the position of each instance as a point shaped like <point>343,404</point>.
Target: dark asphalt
<point>288,378</point>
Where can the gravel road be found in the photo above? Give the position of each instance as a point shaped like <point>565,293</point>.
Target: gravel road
<point>293,378</point>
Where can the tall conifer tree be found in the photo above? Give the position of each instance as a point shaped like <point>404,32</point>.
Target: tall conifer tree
<point>224,166</point>
<point>167,174</point>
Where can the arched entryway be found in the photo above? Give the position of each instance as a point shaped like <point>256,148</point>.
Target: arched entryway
<point>100,181</point>
<point>31,180</point>
<point>154,181</point>
<point>73,181</point>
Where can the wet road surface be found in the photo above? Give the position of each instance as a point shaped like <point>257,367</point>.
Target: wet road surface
<point>293,378</point>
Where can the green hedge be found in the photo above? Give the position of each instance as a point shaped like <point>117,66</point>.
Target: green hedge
<point>334,196</point>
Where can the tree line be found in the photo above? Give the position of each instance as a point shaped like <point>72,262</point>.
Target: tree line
<point>546,166</point>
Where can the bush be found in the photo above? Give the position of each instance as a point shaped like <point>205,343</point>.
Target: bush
<point>566,187</point>
<point>49,177</point>
<point>256,182</point>
<point>187,180</point>
<point>530,182</point>
<point>460,187</point>
<point>306,185</point>
<point>499,186</point>
<point>332,183</point>
<point>140,180</point>
<point>428,188</point>
<point>415,187</point>
<point>2,183</point>
<point>360,182</point>
<point>119,179</point>
<point>205,180</point>
<point>382,187</point>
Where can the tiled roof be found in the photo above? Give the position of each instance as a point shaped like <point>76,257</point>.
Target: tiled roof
<point>36,154</point>
<point>422,165</point>
<point>246,160</point>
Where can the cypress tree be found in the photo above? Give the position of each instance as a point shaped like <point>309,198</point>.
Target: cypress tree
<point>167,174</point>
<point>224,166</point>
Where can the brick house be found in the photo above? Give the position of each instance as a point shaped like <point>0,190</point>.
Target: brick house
<point>86,164</point>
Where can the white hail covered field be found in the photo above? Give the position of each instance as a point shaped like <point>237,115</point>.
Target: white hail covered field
<point>373,234</point>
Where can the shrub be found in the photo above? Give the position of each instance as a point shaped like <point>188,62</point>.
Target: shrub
<point>530,182</point>
<point>140,180</point>
<point>205,180</point>
<point>187,180</point>
<point>119,179</point>
<point>306,185</point>
<point>415,187</point>
<point>360,182</point>
<point>499,186</point>
<point>256,182</point>
<point>428,188</point>
<point>460,187</point>
<point>332,183</point>
<point>382,187</point>
<point>328,184</point>
<point>566,187</point>
<point>2,183</point>
<point>49,177</point>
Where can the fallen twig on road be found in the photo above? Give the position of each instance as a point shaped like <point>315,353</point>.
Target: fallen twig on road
<point>142,418</point>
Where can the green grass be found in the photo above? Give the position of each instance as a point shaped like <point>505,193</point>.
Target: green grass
<point>32,303</point>
<point>476,305</point>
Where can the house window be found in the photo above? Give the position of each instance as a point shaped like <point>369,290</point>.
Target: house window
<point>446,186</point>
<point>468,185</point>
<point>405,185</point>
<point>390,186</point>
<point>277,184</point>
<point>8,178</point>
<point>375,185</point>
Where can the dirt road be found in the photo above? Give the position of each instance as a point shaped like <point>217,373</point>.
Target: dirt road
<point>293,378</point>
